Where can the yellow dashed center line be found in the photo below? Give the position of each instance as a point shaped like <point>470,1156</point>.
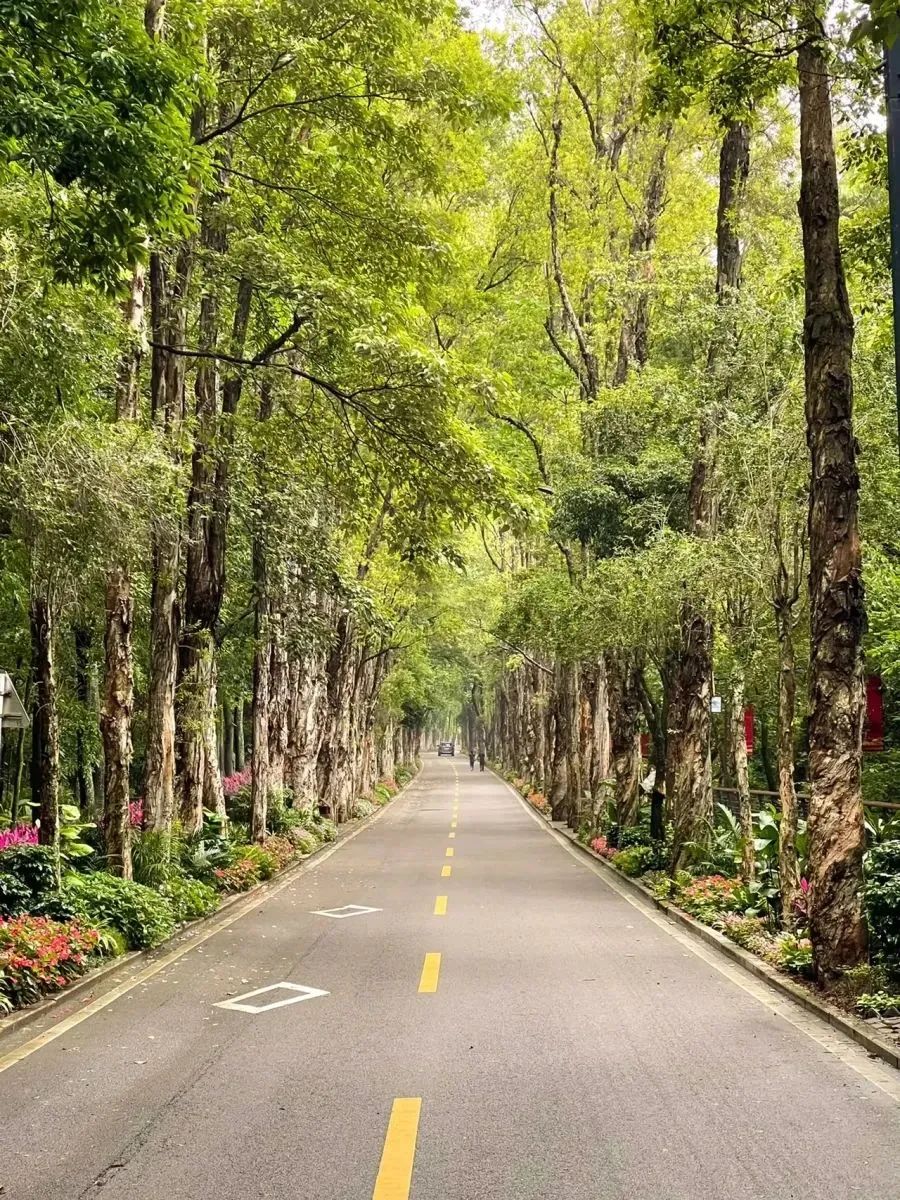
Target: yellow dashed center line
<point>440,906</point>
<point>448,852</point>
<point>431,969</point>
<point>453,824</point>
<point>445,871</point>
<point>395,1173</point>
<point>451,834</point>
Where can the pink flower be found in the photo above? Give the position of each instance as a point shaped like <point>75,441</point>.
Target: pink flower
<point>232,784</point>
<point>20,835</point>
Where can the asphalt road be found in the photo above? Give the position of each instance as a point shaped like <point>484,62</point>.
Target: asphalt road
<point>569,1044</point>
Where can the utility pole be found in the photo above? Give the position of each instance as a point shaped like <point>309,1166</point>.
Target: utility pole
<point>892,92</point>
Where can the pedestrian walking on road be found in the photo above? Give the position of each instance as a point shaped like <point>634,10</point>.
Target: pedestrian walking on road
<point>471,758</point>
<point>481,760</point>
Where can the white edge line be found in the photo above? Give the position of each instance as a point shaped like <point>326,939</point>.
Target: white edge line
<point>836,1043</point>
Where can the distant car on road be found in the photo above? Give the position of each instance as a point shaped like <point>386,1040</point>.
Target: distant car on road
<point>447,748</point>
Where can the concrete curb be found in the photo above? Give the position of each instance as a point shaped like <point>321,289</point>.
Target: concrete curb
<point>24,1016</point>
<point>849,1025</point>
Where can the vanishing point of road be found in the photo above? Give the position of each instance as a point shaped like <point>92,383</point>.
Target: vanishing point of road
<point>506,1023</point>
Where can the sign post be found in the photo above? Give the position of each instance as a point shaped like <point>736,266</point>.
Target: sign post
<point>12,710</point>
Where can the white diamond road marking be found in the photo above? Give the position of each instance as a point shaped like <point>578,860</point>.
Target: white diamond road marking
<point>301,993</point>
<point>348,910</point>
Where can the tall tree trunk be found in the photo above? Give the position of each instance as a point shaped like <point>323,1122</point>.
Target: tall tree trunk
<point>634,338</point>
<point>84,777</point>
<point>227,739</point>
<point>45,730</point>
<point>837,610</point>
<point>259,786</point>
<point>738,745</point>
<point>787,830</point>
<point>692,769</point>
<point>624,711</point>
<point>278,703</point>
<point>159,794</point>
<point>115,721</point>
<point>243,718</point>
<point>169,281</point>
<point>118,683</point>
<point>563,733</point>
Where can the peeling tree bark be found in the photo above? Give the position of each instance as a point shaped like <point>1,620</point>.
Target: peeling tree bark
<point>624,713</point>
<point>738,746</point>
<point>837,610</point>
<point>115,721</point>
<point>690,770</point>
<point>787,830</point>
<point>45,725</point>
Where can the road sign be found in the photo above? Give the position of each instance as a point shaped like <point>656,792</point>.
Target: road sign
<point>12,710</point>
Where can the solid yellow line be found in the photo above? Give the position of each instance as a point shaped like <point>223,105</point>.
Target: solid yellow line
<point>449,853</point>
<point>445,871</point>
<point>431,969</point>
<point>440,906</point>
<point>397,1157</point>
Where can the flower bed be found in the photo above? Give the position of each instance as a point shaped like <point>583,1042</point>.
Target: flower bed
<point>39,956</point>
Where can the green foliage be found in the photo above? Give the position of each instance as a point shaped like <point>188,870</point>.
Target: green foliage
<point>882,895</point>
<point>879,1004</point>
<point>635,860</point>
<point>265,863</point>
<point>27,878</point>
<point>71,829</point>
<point>140,914</point>
<point>189,898</point>
<point>794,954</point>
<point>240,876</point>
<point>98,111</point>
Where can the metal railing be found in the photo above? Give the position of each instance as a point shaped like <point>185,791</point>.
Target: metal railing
<point>730,797</point>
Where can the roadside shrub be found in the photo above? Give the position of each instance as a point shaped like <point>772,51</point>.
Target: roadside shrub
<point>209,850</point>
<point>265,863</point>
<point>39,956</point>
<point>281,848</point>
<point>27,878</point>
<point>705,898</point>
<point>325,828</point>
<point>882,869</point>
<point>381,793</point>
<point>302,840</point>
<point>237,803</point>
<point>154,856</point>
<point>879,1004</point>
<point>635,860</point>
<point>364,808</point>
<point>189,898</point>
<point>793,954</point>
<point>602,847</point>
<point>857,981</point>
<point>748,932</point>
<point>140,914</point>
<point>239,877</point>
